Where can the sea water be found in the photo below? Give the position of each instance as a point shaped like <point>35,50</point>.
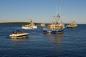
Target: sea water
<point>70,43</point>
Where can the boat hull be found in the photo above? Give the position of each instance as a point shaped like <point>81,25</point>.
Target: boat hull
<point>23,35</point>
<point>34,27</point>
<point>71,26</point>
<point>52,31</point>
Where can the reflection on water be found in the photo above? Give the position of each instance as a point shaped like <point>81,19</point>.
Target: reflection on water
<point>18,39</point>
<point>59,38</point>
<point>18,42</point>
<point>55,38</point>
<point>71,43</point>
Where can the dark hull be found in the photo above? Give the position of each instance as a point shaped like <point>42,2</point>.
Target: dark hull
<point>45,31</point>
<point>53,32</point>
<point>71,27</point>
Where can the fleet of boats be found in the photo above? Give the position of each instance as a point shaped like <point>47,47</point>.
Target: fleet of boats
<point>52,28</point>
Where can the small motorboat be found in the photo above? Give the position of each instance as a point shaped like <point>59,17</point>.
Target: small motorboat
<point>18,35</point>
<point>43,25</point>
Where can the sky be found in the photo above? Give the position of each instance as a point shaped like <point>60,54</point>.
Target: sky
<point>42,10</point>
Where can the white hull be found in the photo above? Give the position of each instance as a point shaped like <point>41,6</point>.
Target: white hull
<point>69,26</point>
<point>34,27</point>
<point>72,24</point>
<point>42,25</point>
<point>18,35</point>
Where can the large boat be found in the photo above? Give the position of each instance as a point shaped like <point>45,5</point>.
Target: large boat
<point>72,24</point>
<point>18,34</point>
<point>55,27</point>
<point>31,25</point>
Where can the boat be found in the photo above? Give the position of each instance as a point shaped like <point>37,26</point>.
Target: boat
<point>42,25</point>
<point>57,25</point>
<point>19,34</point>
<point>31,25</point>
<point>72,24</point>
<point>54,27</point>
<point>55,38</point>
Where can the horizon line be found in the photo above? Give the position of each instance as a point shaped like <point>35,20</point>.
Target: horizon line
<point>34,22</point>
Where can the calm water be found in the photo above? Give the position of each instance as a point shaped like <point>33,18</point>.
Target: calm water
<point>71,43</point>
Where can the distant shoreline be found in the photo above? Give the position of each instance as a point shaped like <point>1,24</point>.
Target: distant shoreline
<point>23,23</point>
<point>13,22</point>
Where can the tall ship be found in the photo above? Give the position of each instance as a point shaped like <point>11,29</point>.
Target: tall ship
<point>72,24</point>
<point>55,27</point>
<point>57,24</point>
<point>30,25</point>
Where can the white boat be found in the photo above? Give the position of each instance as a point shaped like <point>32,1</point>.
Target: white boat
<point>31,25</point>
<point>72,25</point>
<point>18,35</point>
<point>42,25</point>
<point>28,27</point>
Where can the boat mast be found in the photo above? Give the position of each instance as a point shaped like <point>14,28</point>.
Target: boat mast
<point>60,2</point>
